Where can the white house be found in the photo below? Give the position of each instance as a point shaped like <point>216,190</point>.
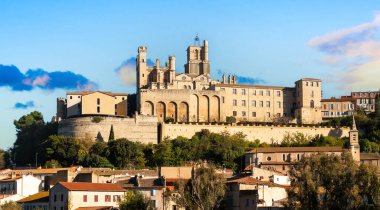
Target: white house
<point>18,187</point>
<point>73,195</point>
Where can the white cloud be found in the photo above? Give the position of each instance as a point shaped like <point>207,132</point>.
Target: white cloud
<point>357,51</point>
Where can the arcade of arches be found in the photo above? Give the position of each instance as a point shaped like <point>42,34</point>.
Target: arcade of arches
<point>200,108</point>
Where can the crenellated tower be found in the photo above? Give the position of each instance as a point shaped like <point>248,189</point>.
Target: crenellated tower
<point>197,59</point>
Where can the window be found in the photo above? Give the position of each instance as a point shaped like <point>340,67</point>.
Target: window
<point>61,197</point>
<point>234,113</point>
<point>268,104</point>
<point>107,198</point>
<point>283,157</point>
<point>71,97</point>
<point>122,98</point>
<point>243,102</point>
<point>98,101</point>
<point>243,91</point>
<point>95,198</point>
<point>98,109</point>
<point>115,106</point>
<point>116,198</point>
<point>247,202</point>
<point>268,114</point>
<point>278,93</point>
<point>234,102</point>
<point>324,106</point>
<point>223,99</point>
<point>254,92</point>
<point>153,203</point>
<point>279,104</point>
<point>152,192</point>
<point>78,96</point>
<point>298,156</point>
<point>243,113</point>
<point>317,84</point>
<point>261,93</point>
<point>312,93</point>
<point>311,104</point>
<point>268,93</point>
<point>307,83</point>
<point>261,103</point>
<point>84,198</point>
<point>311,84</point>
<point>234,91</point>
<point>55,198</point>
<point>253,114</point>
<point>254,103</point>
<point>278,114</point>
<point>269,158</point>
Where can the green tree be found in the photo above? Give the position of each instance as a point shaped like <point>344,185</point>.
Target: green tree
<point>2,159</point>
<point>10,206</point>
<point>66,150</point>
<point>135,200</point>
<point>126,154</point>
<point>32,133</point>
<point>324,181</point>
<point>377,105</point>
<point>205,191</point>
<point>112,135</point>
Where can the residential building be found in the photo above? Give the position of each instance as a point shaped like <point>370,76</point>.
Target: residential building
<point>92,103</point>
<point>337,107</point>
<point>38,201</point>
<point>65,195</point>
<point>151,188</point>
<point>250,193</point>
<point>24,185</point>
<point>365,100</point>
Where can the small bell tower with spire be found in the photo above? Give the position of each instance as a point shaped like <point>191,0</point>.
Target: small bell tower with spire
<point>354,141</point>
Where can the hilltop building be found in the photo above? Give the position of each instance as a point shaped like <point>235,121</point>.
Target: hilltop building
<point>193,96</point>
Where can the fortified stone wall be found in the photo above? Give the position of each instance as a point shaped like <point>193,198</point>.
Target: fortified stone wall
<point>139,128</point>
<point>263,133</point>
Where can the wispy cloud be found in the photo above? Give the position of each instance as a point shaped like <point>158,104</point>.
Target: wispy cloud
<point>127,71</point>
<point>357,50</point>
<point>28,104</point>
<point>242,79</point>
<point>12,77</point>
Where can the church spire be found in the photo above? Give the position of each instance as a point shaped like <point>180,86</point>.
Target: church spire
<point>353,124</point>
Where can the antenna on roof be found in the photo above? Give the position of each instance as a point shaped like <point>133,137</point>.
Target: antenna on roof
<point>196,40</point>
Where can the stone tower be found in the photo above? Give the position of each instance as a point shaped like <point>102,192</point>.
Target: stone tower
<point>141,68</point>
<point>308,98</point>
<point>354,141</point>
<point>197,60</point>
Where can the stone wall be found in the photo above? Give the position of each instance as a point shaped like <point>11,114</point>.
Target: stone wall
<point>261,132</point>
<point>140,128</point>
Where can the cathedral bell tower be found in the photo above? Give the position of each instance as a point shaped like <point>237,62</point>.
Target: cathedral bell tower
<point>354,141</point>
<point>197,59</point>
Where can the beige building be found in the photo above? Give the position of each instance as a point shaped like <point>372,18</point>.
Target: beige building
<point>92,103</point>
<point>281,159</point>
<point>337,107</point>
<point>193,96</point>
<point>70,196</point>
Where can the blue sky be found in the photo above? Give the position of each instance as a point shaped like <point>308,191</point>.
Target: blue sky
<point>55,46</point>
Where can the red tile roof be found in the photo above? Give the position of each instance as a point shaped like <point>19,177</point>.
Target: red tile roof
<point>85,186</point>
<point>296,149</point>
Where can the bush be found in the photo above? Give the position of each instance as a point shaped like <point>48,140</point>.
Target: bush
<point>97,119</point>
<point>169,120</point>
<point>230,119</point>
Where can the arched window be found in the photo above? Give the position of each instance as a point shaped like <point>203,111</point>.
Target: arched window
<point>196,55</point>
<point>185,87</point>
<point>312,103</point>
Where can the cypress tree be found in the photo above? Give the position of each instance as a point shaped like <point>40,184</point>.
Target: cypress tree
<point>112,135</point>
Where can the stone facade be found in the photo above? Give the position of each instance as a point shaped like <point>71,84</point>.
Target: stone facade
<point>194,97</point>
<point>337,107</point>
<point>140,128</point>
<point>264,133</point>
